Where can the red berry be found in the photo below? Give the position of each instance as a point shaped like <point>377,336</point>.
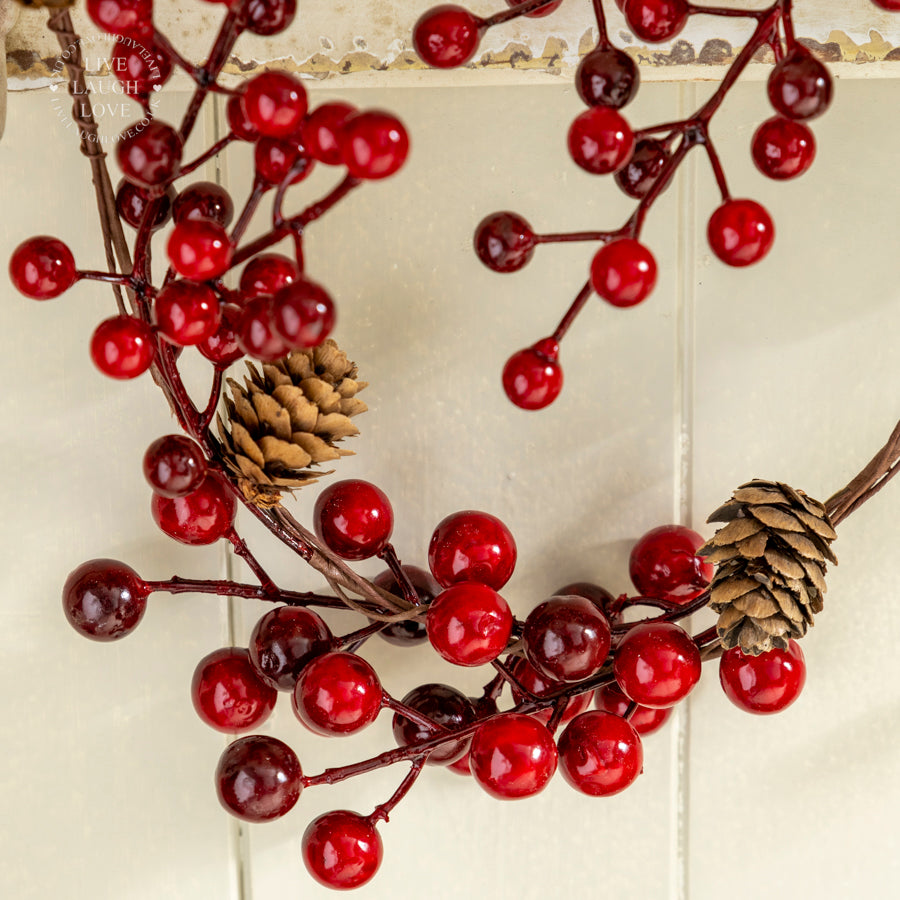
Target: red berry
<point>606,76</point>
<point>513,756</point>
<point>201,517</point>
<point>600,140</point>
<point>267,273</point>
<point>763,684</point>
<point>256,334</point>
<point>199,250</point>
<point>374,144</point>
<point>566,638</point>
<point>149,154</point>
<point>104,599</point>
<point>228,694</point>
<point>174,465</point>
<point>445,706</point>
<point>238,122</point>
<point>268,17</point>
<point>123,347</point>
<point>42,267</point>
<point>128,17</point>
<point>639,174</point>
<point>540,685</point>
<point>186,313</point>
<point>533,377</point>
<point>644,720</point>
<point>783,148</point>
<point>284,640</point>
<point>600,597</point>
<point>303,314</point>
<point>623,272</point>
<point>447,36</point>
<point>409,632</point>
<point>139,68</point>
<point>657,664</point>
<point>204,200</point>
<point>354,518</point>
<point>740,232</point>
<point>222,348</point>
<point>337,693</point>
<point>799,86</point>
<point>472,546</point>
<point>889,5</point>
<point>342,849</point>
<point>539,13</point>
<point>504,242</point>
<point>274,103</point>
<point>664,565</point>
<point>600,754</point>
<point>258,778</point>
<point>274,159</point>
<point>322,132</point>
<point>469,624</point>
<point>132,202</point>
<point>656,20</point>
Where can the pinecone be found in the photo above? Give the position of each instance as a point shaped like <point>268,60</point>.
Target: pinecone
<point>287,417</point>
<point>770,560</point>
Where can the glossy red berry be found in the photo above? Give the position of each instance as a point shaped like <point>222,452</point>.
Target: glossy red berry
<point>186,313</point>
<point>566,638</point>
<point>740,232</point>
<point>657,664</point>
<point>258,778</point>
<point>607,76</point>
<point>504,242</point>
<point>201,517</point>
<point>284,640</point>
<point>199,250</point>
<point>274,103</point>
<point>447,36</point>
<point>342,849</point>
<point>276,158</point>
<point>123,347</point>
<point>783,148</point>
<point>228,694</point>
<point>538,13</point>
<point>132,203</point>
<point>303,314</point>
<point>889,5</point>
<point>623,272</point>
<point>354,518</point>
<point>322,132</point>
<point>239,123</point>
<point>222,348</point>
<point>600,141</point>
<point>267,17</point>
<point>127,17</point>
<point>472,546</point>
<point>446,707</point>
<point>174,465</point>
<point>600,754</point>
<point>204,200</point>
<point>374,144</point>
<point>256,334</point>
<point>535,682</point>
<point>799,86</point>
<point>644,720</point>
<point>150,154</point>
<point>267,273</point>
<point>533,377</point>
<point>639,174</point>
<point>337,693</point>
<point>469,624</point>
<point>42,267</point>
<point>763,684</point>
<point>512,756</point>
<point>664,564</point>
<point>104,599</point>
<point>139,67</point>
<point>409,632</point>
<point>656,20</point>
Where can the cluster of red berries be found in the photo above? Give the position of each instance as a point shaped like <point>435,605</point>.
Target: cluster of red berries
<point>623,271</point>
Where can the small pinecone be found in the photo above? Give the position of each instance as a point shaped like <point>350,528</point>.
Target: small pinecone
<point>287,417</point>
<point>770,560</point>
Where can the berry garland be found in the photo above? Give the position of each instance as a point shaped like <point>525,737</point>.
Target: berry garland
<point>295,409</point>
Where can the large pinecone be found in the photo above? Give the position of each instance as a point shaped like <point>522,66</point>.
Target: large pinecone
<point>287,417</point>
<point>770,560</point>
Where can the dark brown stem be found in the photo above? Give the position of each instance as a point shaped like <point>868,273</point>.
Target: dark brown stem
<point>382,811</point>
<point>413,715</point>
<point>243,551</point>
<point>507,15</point>
<point>178,585</point>
<point>213,151</point>
<point>389,555</point>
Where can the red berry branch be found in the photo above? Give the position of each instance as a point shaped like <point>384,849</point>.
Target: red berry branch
<point>763,572</point>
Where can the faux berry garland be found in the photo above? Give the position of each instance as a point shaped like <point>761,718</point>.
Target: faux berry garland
<point>292,414</point>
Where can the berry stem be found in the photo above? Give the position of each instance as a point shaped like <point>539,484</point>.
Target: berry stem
<point>718,171</point>
<point>602,36</point>
<point>215,391</point>
<point>213,151</point>
<point>572,312</point>
<point>413,715</point>
<point>256,194</point>
<point>243,551</point>
<point>389,555</point>
<point>507,15</point>
<point>726,12</point>
<point>383,810</point>
<point>562,238</point>
<point>108,277</point>
<point>178,585</point>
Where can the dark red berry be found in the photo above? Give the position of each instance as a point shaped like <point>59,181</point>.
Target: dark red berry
<point>623,272</point>
<point>186,313</point>
<point>540,685</point>
<point>533,377</point>
<point>150,154</point>
<point>268,17</point>
<point>783,148</point>
<point>664,564</point>
<point>337,693</point>
<point>469,624</point>
<point>228,694</point>
<point>550,8</point>
<point>354,518</point>
<point>600,141</point>
<point>256,334</point>
<point>128,17</point>
<point>504,242</point>
<point>139,67</point>
<point>240,124</point>
<point>204,200</point>
<point>284,640</point>
<point>607,76</point>
<point>274,103</point>
<point>266,274</point>
<point>656,20</point>
<point>409,632</point>
<point>322,132</point>
<point>446,707</point>
<point>374,144</point>
<point>303,314</point>
<point>600,597</point>
<point>222,348</point>
<point>275,158</point>
<point>123,347</point>
<point>342,849</point>
<point>42,267</point>
<point>889,5</point>
<point>199,250</point>
<point>799,85</point>
<point>201,517</point>
<point>104,599</point>
<point>639,174</point>
<point>512,756</point>
<point>472,546</point>
<point>644,720</point>
<point>174,465</point>
<point>740,232</point>
<point>447,36</point>
<point>132,202</point>
<point>258,778</point>
<point>763,684</point>
<point>600,754</point>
